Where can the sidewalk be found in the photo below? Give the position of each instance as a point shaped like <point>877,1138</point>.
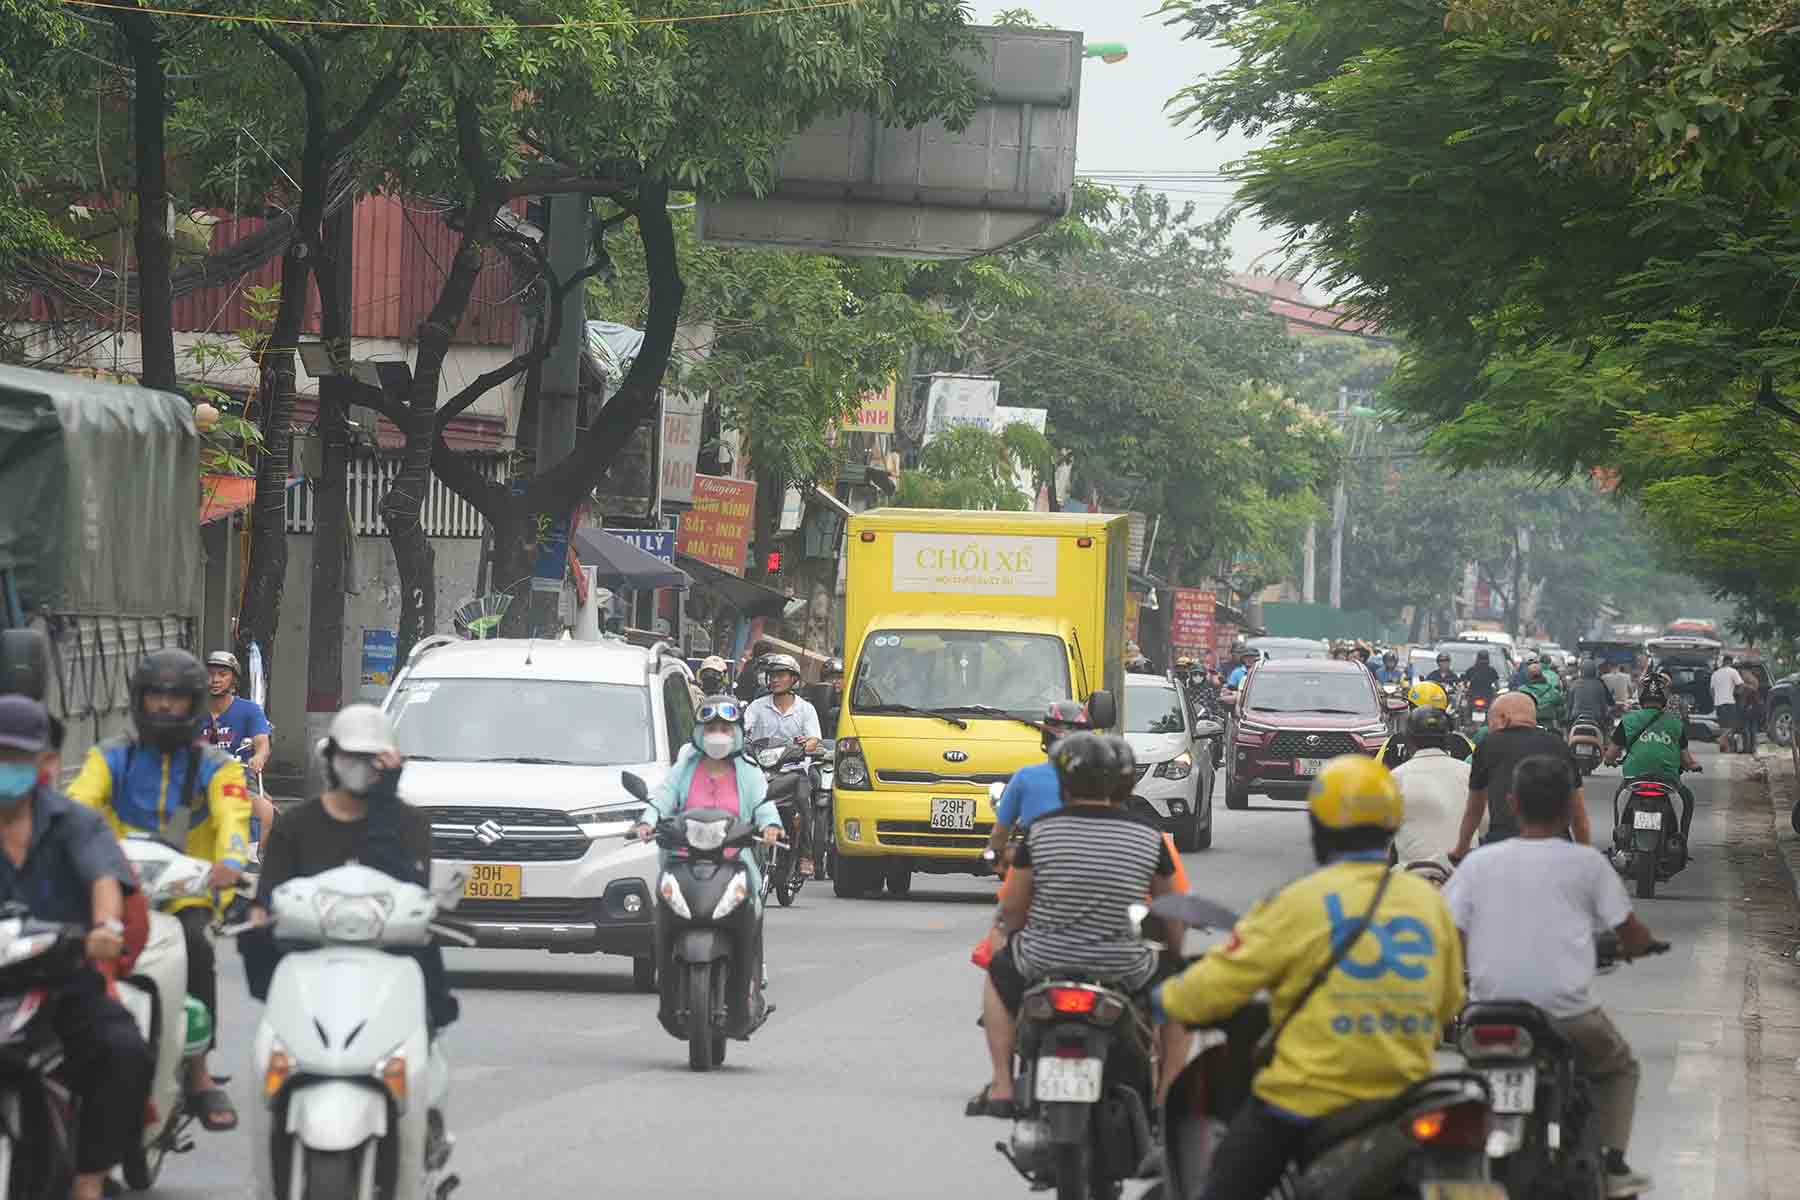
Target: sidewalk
<point>1783,765</point>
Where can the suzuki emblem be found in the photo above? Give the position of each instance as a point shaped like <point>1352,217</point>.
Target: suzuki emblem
<point>955,756</point>
<point>489,832</point>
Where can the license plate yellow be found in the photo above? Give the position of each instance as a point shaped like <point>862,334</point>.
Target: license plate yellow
<point>1436,1190</point>
<point>494,881</point>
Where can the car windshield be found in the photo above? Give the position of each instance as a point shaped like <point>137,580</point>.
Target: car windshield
<point>1304,691</point>
<point>515,720</point>
<point>1153,710</point>
<point>1462,655</point>
<point>1019,674</point>
<point>1272,648</point>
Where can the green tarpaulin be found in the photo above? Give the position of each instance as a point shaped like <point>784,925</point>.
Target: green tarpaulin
<point>99,494</point>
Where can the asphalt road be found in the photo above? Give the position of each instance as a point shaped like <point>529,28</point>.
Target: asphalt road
<point>565,1085</point>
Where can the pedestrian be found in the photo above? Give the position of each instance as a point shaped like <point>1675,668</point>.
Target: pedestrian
<point>1725,684</point>
<point>1750,709</point>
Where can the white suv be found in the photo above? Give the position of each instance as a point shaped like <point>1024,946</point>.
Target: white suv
<point>1174,759</point>
<point>515,749</point>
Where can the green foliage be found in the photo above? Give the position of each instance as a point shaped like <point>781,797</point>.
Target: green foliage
<point>231,446</point>
<point>972,468</point>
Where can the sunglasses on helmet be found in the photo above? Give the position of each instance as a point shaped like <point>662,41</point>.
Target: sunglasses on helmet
<point>727,711</point>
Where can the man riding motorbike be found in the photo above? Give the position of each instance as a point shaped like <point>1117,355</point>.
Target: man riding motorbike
<point>1545,693</point>
<point>1036,789</point>
<point>713,774</point>
<point>1591,697</point>
<point>240,728</point>
<point>64,865</point>
<point>1346,1043</point>
<point>1434,789</point>
<point>1653,743</point>
<point>1247,658</point>
<point>1399,747</point>
<point>1482,680</point>
<point>164,780</point>
<point>789,717</point>
<point>1390,670</point>
<point>711,676</point>
<point>1445,676</point>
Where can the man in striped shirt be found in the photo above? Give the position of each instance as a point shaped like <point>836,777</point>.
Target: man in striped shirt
<point>1067,904</point>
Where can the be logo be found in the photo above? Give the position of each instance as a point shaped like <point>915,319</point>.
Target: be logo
<point>1406,944</point>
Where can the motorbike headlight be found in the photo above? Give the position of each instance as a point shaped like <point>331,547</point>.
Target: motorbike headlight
<point>351,918</point>
<point>769,757</point>
<point>706,835</point>
<point>391,1073</point>
<point>736,894</point>
<point>1179,767</point>
<point>670,890</point>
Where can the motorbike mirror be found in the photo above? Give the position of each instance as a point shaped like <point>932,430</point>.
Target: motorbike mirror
<point>24,663</point>
<point>1103,710</point>
<point>995,791</point>
<point>1208,729</point>
<point>450,895</point>
<point>635,786</point>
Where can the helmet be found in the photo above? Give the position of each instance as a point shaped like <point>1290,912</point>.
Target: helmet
<point>225,659</point>
<point>1481,656</point>
<point>361,729</point>
<point>1355,790</point>
<point>1534,669</point>
<point>1590,669</point>
<point>1653,693</point>
<point>1428,722</point>
<point>1184,662</point>
<point>1070,714</point>
<point>1091,765</point>
<point>780,662</point>
<point>1389,657</point>
<point>178,673</point>
<point>1428,695</point>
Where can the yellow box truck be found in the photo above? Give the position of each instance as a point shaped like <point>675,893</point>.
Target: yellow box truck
<point>961,627</point>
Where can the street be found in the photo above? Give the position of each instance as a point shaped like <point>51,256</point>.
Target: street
<point>564,1084</point>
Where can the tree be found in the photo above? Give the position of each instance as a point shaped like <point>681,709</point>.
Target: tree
<point>970,467</point>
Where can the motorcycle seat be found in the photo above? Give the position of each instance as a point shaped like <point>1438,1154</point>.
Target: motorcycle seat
<point>1350,1120</point>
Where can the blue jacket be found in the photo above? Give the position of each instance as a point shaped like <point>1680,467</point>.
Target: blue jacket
<point>670,797</point>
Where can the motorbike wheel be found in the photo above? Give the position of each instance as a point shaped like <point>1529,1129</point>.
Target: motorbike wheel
<point>142,1165</point>
<point>1643,867</point>
<point>332,1174</point>
<point>1073,1164</point>
<point>788,890</point>
<point>700,1017</point>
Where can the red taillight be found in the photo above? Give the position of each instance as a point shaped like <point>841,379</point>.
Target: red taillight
<point>1496,1035</point>
<point>1464,1125</point>
<point>1073,1000</point>
<point>1480,703</point>
<point>1071,1050</point>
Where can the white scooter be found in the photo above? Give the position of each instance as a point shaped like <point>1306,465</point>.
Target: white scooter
<point>155,994</point>
<point>353,1086</point>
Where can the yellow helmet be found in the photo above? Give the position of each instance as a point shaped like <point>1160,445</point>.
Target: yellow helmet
<point>1428,695</point>
<point>1355,790</point>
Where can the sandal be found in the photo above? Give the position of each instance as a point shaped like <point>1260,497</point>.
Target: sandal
<point>983,1105</point>
<point>213,1109</point>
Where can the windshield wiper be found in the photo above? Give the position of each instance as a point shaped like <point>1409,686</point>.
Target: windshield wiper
<point>531,760</point>
<point>992,713</point>
<point>907,710</point>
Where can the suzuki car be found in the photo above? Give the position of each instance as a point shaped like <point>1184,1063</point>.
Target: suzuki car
<point>1174,759</point>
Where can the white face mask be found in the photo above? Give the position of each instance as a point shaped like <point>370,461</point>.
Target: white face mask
<point>354,773</point>
<point>717,745</point>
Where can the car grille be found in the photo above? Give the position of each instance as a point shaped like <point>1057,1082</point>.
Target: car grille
<point>528,835</point>
<point>982,777</point>
<point>921,834</point>
<point>571,912</point>
<point>1292,743</point>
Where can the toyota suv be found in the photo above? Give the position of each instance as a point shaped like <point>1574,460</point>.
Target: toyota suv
<point>514,748</point>
<point>1292,717</point>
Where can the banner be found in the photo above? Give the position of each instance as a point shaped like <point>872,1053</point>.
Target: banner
<point>975,564</point>
<point>680,446</point>
<point>957,400</point>
<point>874,412</point>
<point>717,529</point>
<point>1191,623</point>
<point>657,542</point>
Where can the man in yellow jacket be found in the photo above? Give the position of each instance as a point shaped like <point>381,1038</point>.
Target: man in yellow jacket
<point>1370,1029</point>
<point>167,782</point>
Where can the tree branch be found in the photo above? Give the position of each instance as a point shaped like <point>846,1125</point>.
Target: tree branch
<point>379,97</point>
<point>560,185</point>
<point>469,145</point>
<point>1767,398</point>
<point>488,497</point>
<point>291,53</point>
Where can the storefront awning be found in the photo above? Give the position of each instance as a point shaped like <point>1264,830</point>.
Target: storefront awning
<point>621,566</point>
<point>223,495</point>
<point>748,598</point>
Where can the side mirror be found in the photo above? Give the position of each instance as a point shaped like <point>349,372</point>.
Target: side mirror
<point>1208,729</point>
<point>995,791</point>
<point>24,663</point>
<point>1103,710</point>
<point>635,786</point>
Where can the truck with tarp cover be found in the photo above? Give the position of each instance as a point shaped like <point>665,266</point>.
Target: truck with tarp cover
<point>99,539</point>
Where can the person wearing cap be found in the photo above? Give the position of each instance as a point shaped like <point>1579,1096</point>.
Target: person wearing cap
<point>235,725</point>
<point>1370,1029</point>
<point>784,715</point>
<point>711,676</point>
<point>64,864</point>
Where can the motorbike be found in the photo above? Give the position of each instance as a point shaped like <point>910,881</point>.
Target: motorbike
<point>1396,705</point>
<point>175,1026</point>
<point>707,930</point>
<point>1647,843</point>
<point>353,1084</point>
<point>37,1114</point>
<point>1474,712</point>
<point>793,785</point>
<point>1543,1143</point>
<point>1429,1141</point>
<point>824,773</point>
<point>1587,741</point>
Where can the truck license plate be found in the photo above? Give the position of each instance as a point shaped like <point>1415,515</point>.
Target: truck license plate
<point>1514,1089</point>
<point>952,813</point>
<point>1645,818</point>
<point>1070,1079</point>
<point>493,881</point>
<point>1309,766</point>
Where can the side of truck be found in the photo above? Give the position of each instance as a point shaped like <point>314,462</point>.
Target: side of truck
<point>961,628</point>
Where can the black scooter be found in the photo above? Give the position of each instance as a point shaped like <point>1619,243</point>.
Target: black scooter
<point>37,1114</point>
<point>796,793</point>
<point>1648,844</point>
<point>708,932</point>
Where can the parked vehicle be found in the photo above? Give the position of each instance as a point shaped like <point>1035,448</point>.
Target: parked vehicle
<point>1780,715</point>
<point>1543,1143</point>
<point>353,1085</point>
<point>37,1120</point>
<point>1647,842</point>
<point>1294,717</point>
<point>1174,754</point>
<point>516,748</point>
<point>962,628</point>
<point>1690,662</point>
<point>1587,741</point>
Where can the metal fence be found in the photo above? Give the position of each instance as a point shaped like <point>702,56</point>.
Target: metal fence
<point>445,514</point>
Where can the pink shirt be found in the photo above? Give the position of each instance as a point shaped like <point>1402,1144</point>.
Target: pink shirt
<point>713,792</point>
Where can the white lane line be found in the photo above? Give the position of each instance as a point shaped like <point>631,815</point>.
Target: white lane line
<point>1696,1163</point>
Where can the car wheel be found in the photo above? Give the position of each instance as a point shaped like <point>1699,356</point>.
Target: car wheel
<point>857,877</point>
<point>1781,725</point>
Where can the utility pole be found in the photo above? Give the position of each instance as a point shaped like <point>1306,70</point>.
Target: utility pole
<point>559,399</point>
<point>1340,501</point>
<point>1309,571</point>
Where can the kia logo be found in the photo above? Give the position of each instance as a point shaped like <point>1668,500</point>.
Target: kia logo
<point>489,832</point>
<point>955,756</point>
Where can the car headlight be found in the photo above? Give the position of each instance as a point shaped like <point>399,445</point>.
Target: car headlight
<point>1179,767</point>
<point>607,820</point>
<point>670,890</point>
<point>852,768</point>
<point>345,918</point>
<point>736,894</point>
<point>706,835</point>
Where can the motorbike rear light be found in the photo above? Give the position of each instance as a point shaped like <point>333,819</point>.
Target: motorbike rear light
<point>1461,1125</point>
<point>1426,1126</point>
<point>1495,1041</point>
<point>1073,1000</point>
<point>1071,1050</point>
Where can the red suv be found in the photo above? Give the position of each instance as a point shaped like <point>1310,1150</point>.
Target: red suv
<point>1292,717</point>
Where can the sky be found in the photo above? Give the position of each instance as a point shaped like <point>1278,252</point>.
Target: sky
<point>1123,123</point>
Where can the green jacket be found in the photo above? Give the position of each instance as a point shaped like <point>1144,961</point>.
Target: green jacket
<point>1549,700</point>
<point>1654,738</point>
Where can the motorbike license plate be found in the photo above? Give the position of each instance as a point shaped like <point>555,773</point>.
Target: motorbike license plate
<point>1069,1079</point>
<point>1446,1190</point>
<point>1480,716</point>
<point>1514,1089</point>
<point>494,881</point>
<point>1309,766</point>
<point>953,813</point>
<point>1645,818</point>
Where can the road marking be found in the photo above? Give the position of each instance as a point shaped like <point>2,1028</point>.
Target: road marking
<point>1696,1165</point>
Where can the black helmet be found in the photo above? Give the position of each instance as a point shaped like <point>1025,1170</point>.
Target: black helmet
<point>1652,693</point>
<point>1590,669</point>
<point>178,673</point>
<point>1091,765</point>
<point>1428,726</point>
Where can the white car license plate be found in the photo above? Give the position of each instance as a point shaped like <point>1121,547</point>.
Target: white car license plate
<point>1071,1079</point>
<point>1309,766</point>
<point>1645,818</point>
<point>952,814</point>
<point>1514,1089</point>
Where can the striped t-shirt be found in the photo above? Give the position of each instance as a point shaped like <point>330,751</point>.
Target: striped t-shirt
<point>1089,865</point>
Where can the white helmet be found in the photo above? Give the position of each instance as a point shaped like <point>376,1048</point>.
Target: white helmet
<point>781,662</point>
<point>361,729</point>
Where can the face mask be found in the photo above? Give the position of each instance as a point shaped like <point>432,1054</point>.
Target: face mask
<point>355,774</point>
<point>16,779</point>
<point>718,745</point>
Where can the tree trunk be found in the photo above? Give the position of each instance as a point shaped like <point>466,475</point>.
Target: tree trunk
<point>154,241</point>
<point>331,501</point>
<point>515,554</point>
